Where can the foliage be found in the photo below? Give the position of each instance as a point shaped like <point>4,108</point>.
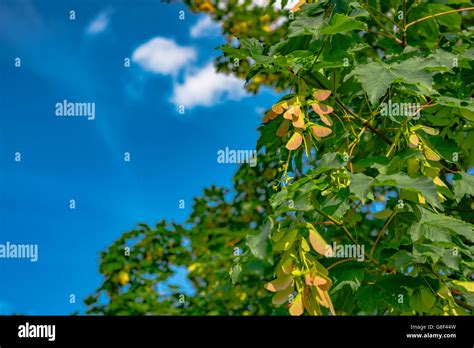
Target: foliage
<point>368,205</point>
<point>137,280</point>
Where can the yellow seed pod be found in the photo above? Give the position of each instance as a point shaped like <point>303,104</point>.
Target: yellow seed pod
<point>430,154</point>
<point>413,140</point>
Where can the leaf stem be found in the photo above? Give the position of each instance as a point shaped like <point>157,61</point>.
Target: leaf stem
<point>338,224</point>
<point>382,231</point>
<point>344,229</point>
<point>382,14</point>
<point>404,29</point>
<point>338,263</point>
<point>374,130</point>
<point>437,15</point>
<point>387,32</point>
<point>319,53</point>
<point>365,122</point>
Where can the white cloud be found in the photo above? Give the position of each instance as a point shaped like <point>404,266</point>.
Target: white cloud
<point>99,23</point>
<point>163,56</point>
<point>276,5</point>
<point>205,27</point>
<point>289,5</point>
<point>206,87</point>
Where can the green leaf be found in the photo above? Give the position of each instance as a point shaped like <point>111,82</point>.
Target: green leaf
<point>441,116</point>
<point>110,267</point>
<point>445,147</point>
<point>267,135</point>
<point>303,202</point>
<point>375,79</point>
<point>333,59</point>
<point>341,23</point>
<point>286,241</point>
<point>370,298</point>
<point>403,259</point>
<point>384,214</point>
<point>235,273</point>
<point>422,185</point>
<point>422,300</point>
<point>439,227</point>
<point>439,61</point>
<point>252,45</point>
<point>469,286</point>
<point>347,276</point>
<point>306,25</point>
<point>337,204</point>
<point>425,31</point>
<point>260,244</point>
<point>278,198</point>
<point>463,184</point>
<point>395,285</point>
<point>451,20</point>
<point>432,251</point>
<point>378,162</point>
<point>455,102</point>
<point>230,51</point>
<point>451,259</point>
<point>333,160</point>
<point>255,49</point>
<point>360,186</point>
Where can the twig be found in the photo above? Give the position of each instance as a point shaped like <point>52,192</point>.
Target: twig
<point>437,15</point>
<point>365,123</point>
<point>351,212</point>
<point>314,80</point>
<point>389,33</point>
<point>338,263</point>
<point>323,223</point>
<point>382,231</point>
<point>344,229</point>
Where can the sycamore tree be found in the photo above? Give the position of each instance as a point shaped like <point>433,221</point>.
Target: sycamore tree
<point>138,266</point>
<point>361,202</point>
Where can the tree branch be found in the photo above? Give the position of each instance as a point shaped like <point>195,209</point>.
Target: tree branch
<point>344,229</point>
<point>315,81</point>
<point>382,231</point>
<point>437,15</point>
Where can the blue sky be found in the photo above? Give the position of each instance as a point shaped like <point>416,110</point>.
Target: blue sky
<point>173,155</point>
